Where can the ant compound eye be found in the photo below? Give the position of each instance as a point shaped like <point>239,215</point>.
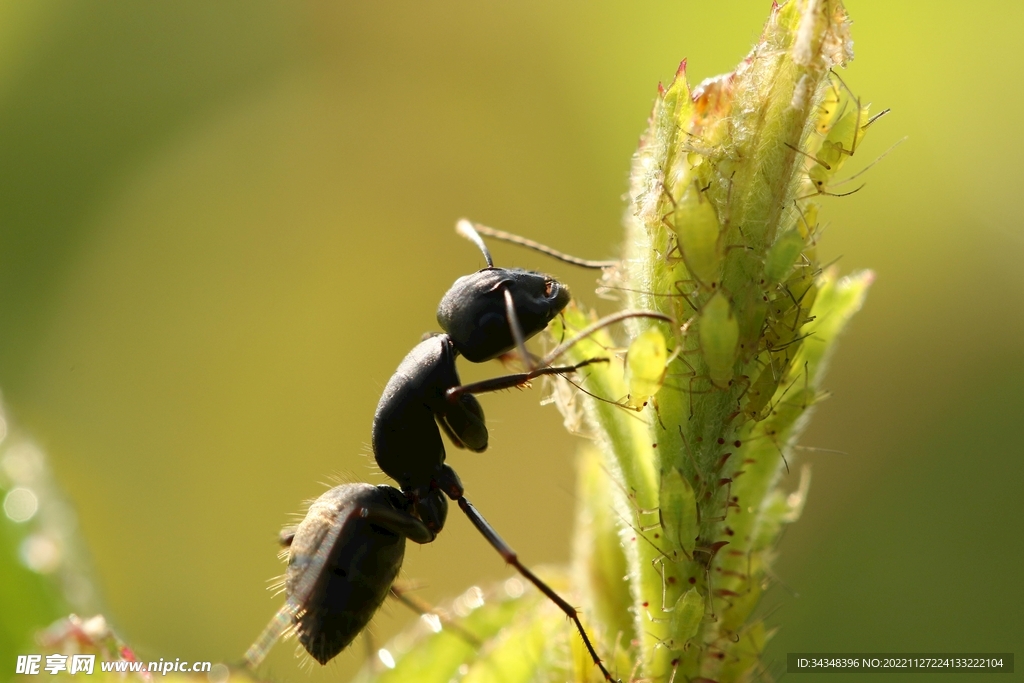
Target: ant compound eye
<point>549,288</point>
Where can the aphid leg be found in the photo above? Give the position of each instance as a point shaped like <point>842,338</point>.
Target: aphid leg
<point>637,510</point>
<point>678,287</point>
<point>675,670</point>
<point>707,576</point>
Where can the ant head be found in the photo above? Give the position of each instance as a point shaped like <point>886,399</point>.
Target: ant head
<point>474,312</point>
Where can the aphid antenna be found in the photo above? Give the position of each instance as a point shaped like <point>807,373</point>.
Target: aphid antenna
<point>849,91</point>
<point>640,291</point>
<point>785,345</point>
<point>815,449</point>
<point>879,158</point>
<point>537,246</point>
<point>775,577</point>
<point>782,453</point>
<point>466,229</point>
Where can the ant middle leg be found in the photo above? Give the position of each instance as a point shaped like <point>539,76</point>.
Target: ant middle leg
<point>464,423</point>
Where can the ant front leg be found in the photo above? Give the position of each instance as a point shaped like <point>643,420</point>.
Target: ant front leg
<point>454,394</point>
<point>463,422</point>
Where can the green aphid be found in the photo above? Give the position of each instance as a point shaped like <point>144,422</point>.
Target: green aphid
<point>807,225</point>
<point>782,256</point>
<point>840,143</point>
<point>831,106</point>
<point>760,393</point>
<point>645,367</point>
<point>808,220</point>
<point>752,640</point>
<point>677,508</point>
<point>686,617</point>
<point>698,233</point>
<point>790,307</point>
<point>807,298</point>
<point>719,339</point>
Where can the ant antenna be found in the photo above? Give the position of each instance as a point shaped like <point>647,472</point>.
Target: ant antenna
<point>542,248</point>
<point>467,230</point>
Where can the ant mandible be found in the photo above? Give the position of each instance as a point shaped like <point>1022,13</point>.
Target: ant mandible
<point>346,553</point>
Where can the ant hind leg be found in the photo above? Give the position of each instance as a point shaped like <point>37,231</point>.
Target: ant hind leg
<point>510,557</point>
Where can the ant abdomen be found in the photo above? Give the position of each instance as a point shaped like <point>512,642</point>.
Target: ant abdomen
<point>341,566</point>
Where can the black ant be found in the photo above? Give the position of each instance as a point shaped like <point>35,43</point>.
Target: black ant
<point>346,553</point>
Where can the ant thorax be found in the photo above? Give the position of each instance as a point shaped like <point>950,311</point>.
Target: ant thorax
<point>406,442</point>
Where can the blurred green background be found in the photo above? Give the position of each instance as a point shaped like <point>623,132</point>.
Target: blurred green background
<point>223,225</point>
